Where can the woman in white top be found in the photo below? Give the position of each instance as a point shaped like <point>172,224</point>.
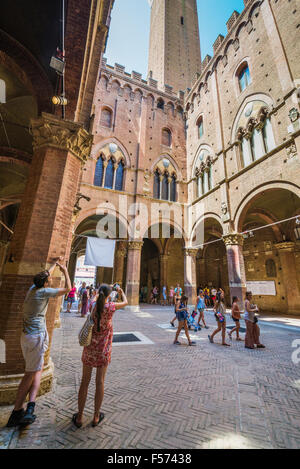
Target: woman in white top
<point>252,329</point>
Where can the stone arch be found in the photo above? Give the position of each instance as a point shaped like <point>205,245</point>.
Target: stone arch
<point>27,69</point>
<point>265,98</point>
<point>172,161</point>
<point>97,149</point>
<point>205,217</point>
<point>253,9</point>
<point>85,214</point>
<point>258,191</point>
<point>239,29</point>
<point>229,43</point>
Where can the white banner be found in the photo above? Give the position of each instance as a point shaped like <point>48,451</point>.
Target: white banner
<point>100,252</point>
<point>263,288</point>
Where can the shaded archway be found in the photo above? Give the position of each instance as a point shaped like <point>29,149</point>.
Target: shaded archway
<point>271,248</point>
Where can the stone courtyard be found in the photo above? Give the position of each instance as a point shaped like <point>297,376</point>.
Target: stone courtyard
<point>173,397</point>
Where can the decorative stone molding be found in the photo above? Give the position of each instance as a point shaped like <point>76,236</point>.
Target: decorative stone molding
<point>135,245</point>
<point>285,246</point>
<point>291,150</point>
<point>65,135</point>
<point>233,239</point>
<point>192,252</point>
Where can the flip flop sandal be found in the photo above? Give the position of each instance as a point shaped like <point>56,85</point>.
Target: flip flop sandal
<point>101,417</point>
<point>226,345</point>
<point>74,420</point>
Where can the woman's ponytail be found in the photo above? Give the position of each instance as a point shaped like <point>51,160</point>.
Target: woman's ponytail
<point>104,292</point>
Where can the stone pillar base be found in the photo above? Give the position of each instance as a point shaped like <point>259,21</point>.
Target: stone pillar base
<point>9,385</point>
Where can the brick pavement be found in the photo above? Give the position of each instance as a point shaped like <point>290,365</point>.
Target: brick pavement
<point>163,396</point>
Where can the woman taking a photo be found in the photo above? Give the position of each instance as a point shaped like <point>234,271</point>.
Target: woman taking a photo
<point>220,311</point>
<point>98,353</point>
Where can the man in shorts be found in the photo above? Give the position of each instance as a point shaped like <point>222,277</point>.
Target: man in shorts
<point>35,341</point>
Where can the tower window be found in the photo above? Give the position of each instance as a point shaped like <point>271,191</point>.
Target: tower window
<point>200,127</point>
<point>244,76</point>
<point>166,137</point>
<point>106,118</point>
<point>182,20</point>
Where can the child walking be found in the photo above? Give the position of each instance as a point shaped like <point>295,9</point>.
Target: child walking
<point>182,314</point>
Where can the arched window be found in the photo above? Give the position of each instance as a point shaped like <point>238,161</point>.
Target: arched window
<point>271,271</point>
<point>109,175</point>
<point>258,143</point>
<point>119,177</point>
<point>179,110</point>
<point>165,188</point>
<point>160,104</point>
<point>244,77</point>
<point>104,82</point>
<point>156,185</point>
<point>2,91</point>
<point>167,137</point>
<point>268,136</point>
<point>106,118</point>
<point>200,127</point>
<point>98,180</point>
<point>173,189</point>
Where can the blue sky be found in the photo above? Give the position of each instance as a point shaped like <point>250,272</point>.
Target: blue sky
<point>129,32</point>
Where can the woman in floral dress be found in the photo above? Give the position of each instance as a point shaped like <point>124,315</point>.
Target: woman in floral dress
<point>98,353</point>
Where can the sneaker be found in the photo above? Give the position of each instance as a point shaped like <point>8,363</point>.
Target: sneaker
<point>206,327</point>
<point>210,339</point>
<point>177,343</point>
<point>15,418</point>
<point>172,324</point>
<point>29,417</point>
<point>192,344</point>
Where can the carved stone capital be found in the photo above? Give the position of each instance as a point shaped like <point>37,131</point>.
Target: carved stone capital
<point>285,246</point>
<point>233,239</point>
<point>48,130</point>
<point>135,245</point>
<point>192,252</point>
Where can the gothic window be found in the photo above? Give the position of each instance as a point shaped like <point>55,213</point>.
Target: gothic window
<point>98,180</point>
<point>244,77</point>
<point>156,187</point>
<point>119,177</point>
<point>203,174</point>
<point>160,104</point>
<point>200,127</point>
<point>109,175</point>
<point>165,188</point>
<point>271,271</point>
<point>2,92</point>
<point>268,136</point>
<point>166,137</point>
<point>173,189</point>
<point>257,144</point>
<point>106,118</point>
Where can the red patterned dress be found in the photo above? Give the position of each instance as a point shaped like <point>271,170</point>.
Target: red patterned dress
<point>98,353</point>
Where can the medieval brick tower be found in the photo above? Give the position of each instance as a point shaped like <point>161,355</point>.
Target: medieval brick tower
<point>174,49</point>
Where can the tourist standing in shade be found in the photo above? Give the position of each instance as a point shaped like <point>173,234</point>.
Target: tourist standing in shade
<point>220,311</point>
<point>98,353</point>
<point>35,341</point>
<point>236,316</point>
<point>252,329</point>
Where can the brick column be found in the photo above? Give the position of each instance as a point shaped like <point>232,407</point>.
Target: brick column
<point>121,254</point>
<point>236,266</point>
<point>286,252</point>
<point>42,232</point>
<point>99,275</point>
<point>133,272</point>
<point>190,274</point>
<point>72,266</point>
<point>163,264</point>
